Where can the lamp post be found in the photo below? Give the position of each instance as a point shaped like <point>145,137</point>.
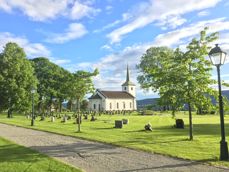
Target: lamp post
<point>218,57</point>
<point>32,92</point>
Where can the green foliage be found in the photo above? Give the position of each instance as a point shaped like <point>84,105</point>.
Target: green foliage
<point>16,79</point>
<point>180,77</point>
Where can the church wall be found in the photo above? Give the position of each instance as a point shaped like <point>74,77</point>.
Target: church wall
<point>123,104</point>
<point>95,104</point>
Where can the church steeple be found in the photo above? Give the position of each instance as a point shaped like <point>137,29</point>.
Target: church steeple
<point>128,86</point>
<point>127,74</point>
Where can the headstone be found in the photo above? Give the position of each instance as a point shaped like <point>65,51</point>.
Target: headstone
<point>64,119</point>
<point>28,116</point>
<point>125,121</point>
<point>179,123</point>
<point>93,118</point>
<point>148,127</point>
<point>42,118</point>
<point>85,116</point>
<point>118,123</point>
<point>52,119</point>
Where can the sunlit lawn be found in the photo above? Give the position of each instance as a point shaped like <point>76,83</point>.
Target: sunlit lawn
<point>15,158</point>
<point>164,139</point>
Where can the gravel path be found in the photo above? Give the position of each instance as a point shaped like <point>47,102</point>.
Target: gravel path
<point>98,157</point>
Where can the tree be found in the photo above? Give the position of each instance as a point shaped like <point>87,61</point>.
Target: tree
<point>16,79</point>
<point>53,82</point>
<point>179,77</point>
<point>81,84</point>
<point>197,74</point>
<point>159,72</point>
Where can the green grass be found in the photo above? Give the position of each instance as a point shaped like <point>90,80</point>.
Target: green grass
<point>16,158</point>
<point>164,139</point>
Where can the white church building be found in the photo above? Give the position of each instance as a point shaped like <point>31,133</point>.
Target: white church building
<point>115,100</point>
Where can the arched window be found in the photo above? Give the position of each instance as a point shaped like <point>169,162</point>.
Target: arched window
<point>124,105</point>
<point>117,106</point>
<point>132,88</point>
<point>94,106</point>
<point>124,88</point>
<point>110,105</point>
<point>130,105</point>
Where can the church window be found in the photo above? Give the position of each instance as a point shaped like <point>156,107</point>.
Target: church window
<point>110,105</point>
<point>124,105</point>
<point>131,88</point>
<point>130,105</point>
<point>124,88</point>
<point>94,106</point>
<point>117,105</point>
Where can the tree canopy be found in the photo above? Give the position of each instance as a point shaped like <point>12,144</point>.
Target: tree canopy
<point>16,79</point>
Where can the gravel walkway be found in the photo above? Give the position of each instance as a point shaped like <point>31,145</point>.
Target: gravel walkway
<point>98,157</point>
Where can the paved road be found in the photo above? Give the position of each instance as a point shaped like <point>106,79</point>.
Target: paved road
<point>98,157</point>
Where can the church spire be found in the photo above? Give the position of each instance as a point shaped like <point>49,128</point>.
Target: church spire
<point>127,74</point>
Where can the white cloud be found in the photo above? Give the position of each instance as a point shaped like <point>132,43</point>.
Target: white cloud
<point>50,9</point>
<point>107,47</point>
<point>171,22</point>
<point>32,49</point>
<point>177,36</point>
<point>203,13</point>
<point>80,10</point>
<point>60,61</point>
<point>74,31</point>
<point>158,10</point>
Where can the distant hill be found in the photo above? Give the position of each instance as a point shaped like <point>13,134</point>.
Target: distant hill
<point>152,101</point>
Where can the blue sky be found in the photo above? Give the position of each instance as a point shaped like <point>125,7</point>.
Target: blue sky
<point>108,34</point>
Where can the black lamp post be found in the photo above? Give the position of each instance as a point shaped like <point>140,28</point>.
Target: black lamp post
<point>218,58</point>
<point>32,92</point>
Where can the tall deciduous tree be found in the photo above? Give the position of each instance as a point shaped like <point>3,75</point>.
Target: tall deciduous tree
<point>179,77</point>
<point>81,85</point>
<point>16,79</point>
<point>53,82</point>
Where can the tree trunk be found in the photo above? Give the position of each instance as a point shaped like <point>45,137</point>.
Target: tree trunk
<point>9,113</point>
<point>50,106</point>
<point>40,104</point>
<point>78,114</point>
<point>60,105</point>
<point>190,122</point>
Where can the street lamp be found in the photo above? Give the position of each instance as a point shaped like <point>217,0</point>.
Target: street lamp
<point>218,57</point>
<point>32,92</point>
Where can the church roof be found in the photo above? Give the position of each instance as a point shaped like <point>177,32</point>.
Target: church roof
<point>96,96</point>
<point>116,94</point>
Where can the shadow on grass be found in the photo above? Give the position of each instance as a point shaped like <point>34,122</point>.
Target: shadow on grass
<point>15,153</point>
<point>182,166</point>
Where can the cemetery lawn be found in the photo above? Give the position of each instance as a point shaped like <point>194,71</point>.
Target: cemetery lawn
<point>164,139</point>
<point>14,157</point>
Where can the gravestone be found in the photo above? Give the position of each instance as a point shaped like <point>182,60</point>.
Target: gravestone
<point>148,127</point>
<point>179,123</point>
<point>125,121</point>
<point>52,119</point>
<point>64,119</point>
<point>93,118</point>
<point>118,124</point>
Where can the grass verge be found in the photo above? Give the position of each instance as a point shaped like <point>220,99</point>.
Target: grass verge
<point>16,158</point>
